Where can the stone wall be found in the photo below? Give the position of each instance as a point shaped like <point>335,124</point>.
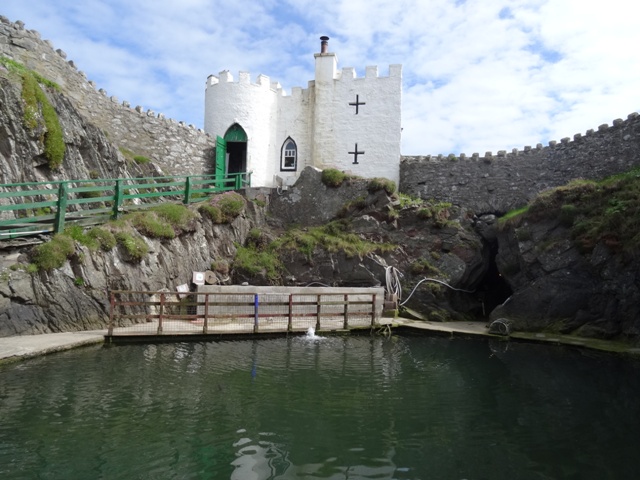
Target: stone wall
<point>498,183</point>
<point>173,146</point>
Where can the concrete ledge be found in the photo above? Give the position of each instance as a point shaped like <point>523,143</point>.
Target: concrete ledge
<point>479,329</point>
<point>27,346</point>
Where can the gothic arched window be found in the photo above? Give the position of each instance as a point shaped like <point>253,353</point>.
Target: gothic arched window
<point>289,155</point>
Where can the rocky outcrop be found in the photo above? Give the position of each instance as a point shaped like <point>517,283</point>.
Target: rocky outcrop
<point>434,241</point>
<point>88,152</point>
<point>558,288</point>
<point>75,297</point>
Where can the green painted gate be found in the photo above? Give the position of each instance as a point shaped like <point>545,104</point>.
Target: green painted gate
<point>221,158</point>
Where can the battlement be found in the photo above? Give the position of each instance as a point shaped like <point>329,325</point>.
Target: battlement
<point>263,81</point>
<point>632,119</point>
<point>371,71</point>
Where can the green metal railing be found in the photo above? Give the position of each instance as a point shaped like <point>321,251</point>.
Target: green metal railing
<point>43,207</point>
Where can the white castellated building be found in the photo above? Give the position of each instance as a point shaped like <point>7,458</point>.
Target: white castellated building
<point>339,121</point>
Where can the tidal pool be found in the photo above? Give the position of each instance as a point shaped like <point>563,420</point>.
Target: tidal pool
<point>354,407</point>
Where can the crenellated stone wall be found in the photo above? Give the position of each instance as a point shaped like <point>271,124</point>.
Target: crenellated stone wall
<point>499,183</point>
<point>173,146</point>
<point>490,183</point>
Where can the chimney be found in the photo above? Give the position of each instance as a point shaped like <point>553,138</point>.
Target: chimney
<point>324,44</point>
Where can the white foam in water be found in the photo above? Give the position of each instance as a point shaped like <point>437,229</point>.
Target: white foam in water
<point>311,334</point>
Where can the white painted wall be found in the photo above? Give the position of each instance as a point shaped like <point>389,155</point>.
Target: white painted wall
<point>318,118</point>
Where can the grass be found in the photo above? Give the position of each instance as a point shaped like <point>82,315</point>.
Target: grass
<point>377,184</point>
<point>512,217</point>
<point>134,245</point>
<point>606,211</point>
<point>54,253</point>
<point>149,225</point>
<point>104,238</point>
<point>223,208</point>
<point>178,216</point>
<point>438,212</point>
<point>422,266</point>
<point>407,201</point>
<point>332,237</point>
<point>141,160</point>
<point>352,206</point>
<point>38,112</point>
<point>253,261</point>
<point>332,177</point>
<point>214,213</point>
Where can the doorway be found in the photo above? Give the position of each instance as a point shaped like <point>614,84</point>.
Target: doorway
<point>236,151</point>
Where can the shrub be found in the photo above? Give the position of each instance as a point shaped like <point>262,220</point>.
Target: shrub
<point>54,253</point>
<point>332,177</point>
<point>135,247</point>
<point>377,184</point>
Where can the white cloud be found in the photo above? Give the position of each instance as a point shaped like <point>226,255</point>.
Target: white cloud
<point>480,75</point>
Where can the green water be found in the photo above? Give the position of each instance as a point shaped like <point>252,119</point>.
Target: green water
<point>337,408</point>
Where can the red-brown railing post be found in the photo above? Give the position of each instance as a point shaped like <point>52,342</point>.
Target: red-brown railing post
<point>319,311</point>
<point>206,313</point>
<point>112,302</point>
<point>161,313</point>
<point>290,322</point>
<point>346,311</point>
<point>373,310</point>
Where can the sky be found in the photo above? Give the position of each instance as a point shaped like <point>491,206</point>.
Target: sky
<point>478,75</point>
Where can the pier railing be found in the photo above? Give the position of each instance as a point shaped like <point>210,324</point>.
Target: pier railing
<point>42,207</point>
<point>174,313</point>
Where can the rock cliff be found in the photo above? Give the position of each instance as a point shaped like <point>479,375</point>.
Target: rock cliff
<point>571,259</point>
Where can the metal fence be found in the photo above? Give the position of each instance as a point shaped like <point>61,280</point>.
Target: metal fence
<point>42,207</point>
<point>174,313</point>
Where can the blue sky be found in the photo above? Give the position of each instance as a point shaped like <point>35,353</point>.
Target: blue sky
<point>479,75</point>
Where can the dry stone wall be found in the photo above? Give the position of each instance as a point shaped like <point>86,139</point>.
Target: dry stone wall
<point>498,183</point>
<point>173,146</point>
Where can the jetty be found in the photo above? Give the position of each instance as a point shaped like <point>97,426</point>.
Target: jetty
<point>226,310</point>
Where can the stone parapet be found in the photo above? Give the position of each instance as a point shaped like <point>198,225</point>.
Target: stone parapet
<point>498,183</point>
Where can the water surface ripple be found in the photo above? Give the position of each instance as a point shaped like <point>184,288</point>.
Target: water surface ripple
<point>354,407</point>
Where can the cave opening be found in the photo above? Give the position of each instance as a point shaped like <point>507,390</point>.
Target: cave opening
<point>492,289</point>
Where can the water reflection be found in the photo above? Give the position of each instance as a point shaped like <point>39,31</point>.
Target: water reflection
<point>265,459</point>
<point>343,407</point>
